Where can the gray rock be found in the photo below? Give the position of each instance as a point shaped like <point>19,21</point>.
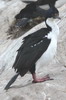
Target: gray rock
<point>23,88</point>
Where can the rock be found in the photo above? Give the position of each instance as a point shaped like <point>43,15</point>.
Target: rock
<point>23,88</point>
<point>7,12</point>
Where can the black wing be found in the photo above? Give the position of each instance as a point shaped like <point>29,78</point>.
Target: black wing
<point>27,12</point>
<point>43,2</point>
<point>33,47</point>
<point>27,17</point>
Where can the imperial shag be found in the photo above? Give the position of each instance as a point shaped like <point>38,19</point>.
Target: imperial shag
<point>31,11</point>
<point>37,49</point>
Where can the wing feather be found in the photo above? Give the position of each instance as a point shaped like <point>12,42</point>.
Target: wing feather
<point>33,47</point>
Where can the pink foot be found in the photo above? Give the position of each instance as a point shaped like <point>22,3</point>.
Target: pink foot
<point>38,80</point>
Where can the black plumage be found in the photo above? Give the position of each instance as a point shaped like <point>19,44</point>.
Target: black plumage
<point>27,12</point>
<point>31,11</point>
<point>33,47</point>
<point>43,2</point>
<point>49,2</point>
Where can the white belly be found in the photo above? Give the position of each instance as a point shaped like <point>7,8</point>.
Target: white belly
<point>47,55</point>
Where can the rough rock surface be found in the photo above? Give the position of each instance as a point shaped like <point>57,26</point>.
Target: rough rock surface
<point>23,88</point>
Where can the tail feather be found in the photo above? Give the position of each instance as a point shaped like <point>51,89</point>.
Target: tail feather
<point>11,81</point>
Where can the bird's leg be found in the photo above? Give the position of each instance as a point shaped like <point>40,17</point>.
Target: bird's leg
<point>38,80</point>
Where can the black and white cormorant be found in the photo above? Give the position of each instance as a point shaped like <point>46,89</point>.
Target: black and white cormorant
<point>38,49</point>
<point>31,11</point>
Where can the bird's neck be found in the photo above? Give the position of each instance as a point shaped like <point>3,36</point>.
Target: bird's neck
<point>51,24</point>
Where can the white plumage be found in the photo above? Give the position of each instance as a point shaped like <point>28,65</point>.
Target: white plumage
<point>51,50</point>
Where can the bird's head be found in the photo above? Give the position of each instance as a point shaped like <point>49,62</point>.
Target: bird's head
<point>52,13</point>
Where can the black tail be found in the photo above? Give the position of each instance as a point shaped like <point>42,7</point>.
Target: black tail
<point>11,81</point>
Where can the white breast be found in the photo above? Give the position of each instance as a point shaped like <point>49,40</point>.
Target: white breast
<point>51,50</point>
<point>47,55</point>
